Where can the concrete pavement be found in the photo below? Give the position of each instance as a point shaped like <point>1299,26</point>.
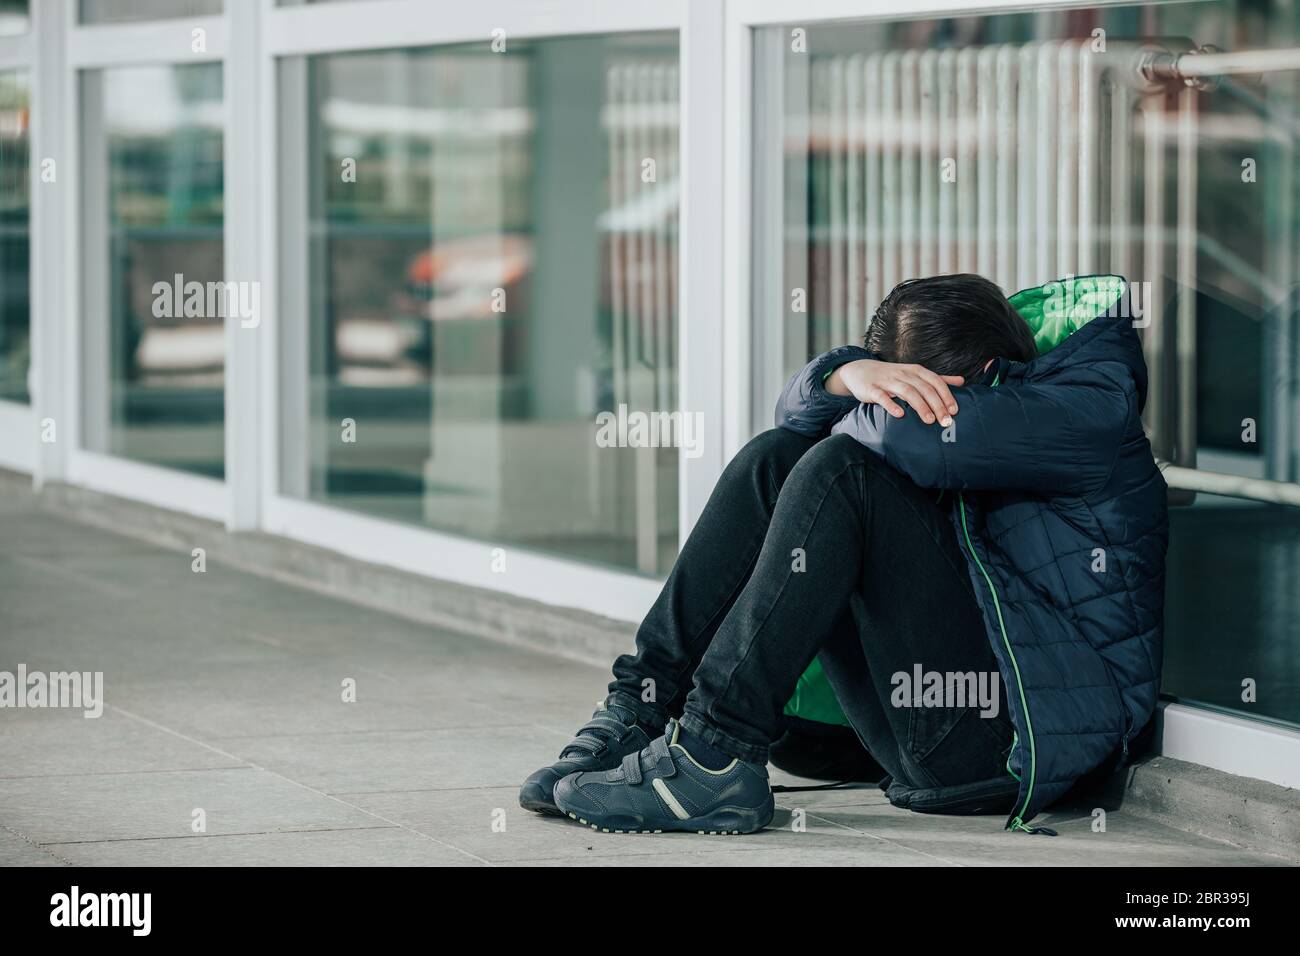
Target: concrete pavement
<point>225,704</point>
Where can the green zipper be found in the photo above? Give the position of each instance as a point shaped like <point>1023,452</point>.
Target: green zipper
<point>1017,822</point>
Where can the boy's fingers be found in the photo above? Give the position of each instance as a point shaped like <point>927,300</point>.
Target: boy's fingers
<point>953,379</point>
<point>910,394</point>
<point>940,384</point>
<point>937,395</point>
<point>884,401</point>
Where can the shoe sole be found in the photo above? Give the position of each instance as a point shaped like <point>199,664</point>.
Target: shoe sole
<point>728,822</point>
<point>539,806</point>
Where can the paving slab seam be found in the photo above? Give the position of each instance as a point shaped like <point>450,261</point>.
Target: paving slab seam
<point>373,730</point>
<point>214,836</point>
<point>510,787</point>
<point>885,840</point>
<point>296,783</point>
<point>242,765</point>
<point>38,847</point>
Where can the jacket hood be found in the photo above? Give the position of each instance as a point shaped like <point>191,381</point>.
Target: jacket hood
<point>1082,319</point>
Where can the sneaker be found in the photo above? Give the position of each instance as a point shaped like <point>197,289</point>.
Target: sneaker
<point>663,788</point>
<point>600,744</point>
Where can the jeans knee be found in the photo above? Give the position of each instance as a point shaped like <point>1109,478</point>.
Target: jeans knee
<point>829,459</point>
<point>775,451</point>
<point>834,453</point>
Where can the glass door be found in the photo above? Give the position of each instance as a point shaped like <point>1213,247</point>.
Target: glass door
<point>1233,399</point>
<point>1157,141</point>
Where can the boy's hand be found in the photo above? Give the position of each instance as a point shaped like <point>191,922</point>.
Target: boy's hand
<point>880,383</point>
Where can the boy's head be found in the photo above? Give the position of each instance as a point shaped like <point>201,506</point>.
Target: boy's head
<point>950,324</point>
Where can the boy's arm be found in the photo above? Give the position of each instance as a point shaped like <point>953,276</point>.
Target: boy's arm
<point>805,405</point>
<point>831,386</point>
<point>1058,439</point>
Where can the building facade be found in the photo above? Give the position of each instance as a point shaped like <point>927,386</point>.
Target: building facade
<point>492,292</point>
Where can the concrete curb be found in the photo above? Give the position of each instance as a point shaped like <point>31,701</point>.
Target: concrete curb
<point>575,635</point>
<point>1239,810</point>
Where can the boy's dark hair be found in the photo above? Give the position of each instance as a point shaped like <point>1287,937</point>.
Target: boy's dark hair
<point>951,324</point>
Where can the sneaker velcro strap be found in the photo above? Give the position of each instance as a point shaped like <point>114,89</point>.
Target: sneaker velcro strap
<point>610,725</point>
<point>596,734</point>
<point>632,768</point>
<point>664,765</point>
<point>585,743</point>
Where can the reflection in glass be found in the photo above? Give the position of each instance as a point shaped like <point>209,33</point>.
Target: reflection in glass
<point>126,11</point>
<point>485,266</point>
<point>152,183</point>
<point>15,256</point>
<point>987,144</point>
<point>14,18</point>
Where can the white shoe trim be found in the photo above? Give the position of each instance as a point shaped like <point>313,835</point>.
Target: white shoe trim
<point>669,798</point>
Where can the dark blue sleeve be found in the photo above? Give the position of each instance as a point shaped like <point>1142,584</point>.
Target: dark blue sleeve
<point>1045,438</point>
<point>805,406</point>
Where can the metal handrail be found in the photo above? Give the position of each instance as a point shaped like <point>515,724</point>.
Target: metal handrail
<point>1173,417</point>
<point>1230,486</point>
<point>1208,63</point>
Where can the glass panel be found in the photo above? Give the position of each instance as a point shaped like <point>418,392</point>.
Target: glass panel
<point>14,17</point>
<point>890,150</point>
<point>154,297</point>
<point>15,218</point>
<point>125,11</point>
<point>480,259</point>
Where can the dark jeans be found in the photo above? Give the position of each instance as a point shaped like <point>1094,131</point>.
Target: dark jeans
<point>810,548</point>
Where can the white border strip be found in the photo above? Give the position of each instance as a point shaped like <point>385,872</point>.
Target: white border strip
<point>1237,745</point>
<point>245,406</point>
<point>527,574</point>
<point>18,52</point>
<point>737,152</point>
<point>18,438</point>
<point>381,24</point>
<point>810,12</point>
<point>150,484</point>
<point>701,344</point>
<point>152,42</point>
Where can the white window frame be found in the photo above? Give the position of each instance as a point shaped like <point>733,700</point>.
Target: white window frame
<point>249,498</point>
<point>100,46</point>
<point>17,420</point>
<point>388,24</point>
